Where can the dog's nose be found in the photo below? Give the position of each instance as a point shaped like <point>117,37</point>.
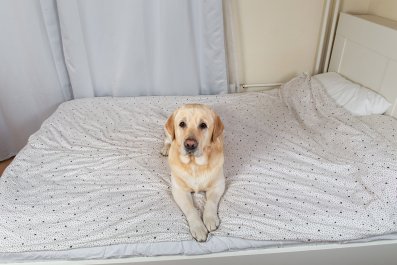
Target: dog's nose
<point>190,144</point>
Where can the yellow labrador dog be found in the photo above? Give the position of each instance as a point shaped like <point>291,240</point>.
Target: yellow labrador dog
<point>194,145</point>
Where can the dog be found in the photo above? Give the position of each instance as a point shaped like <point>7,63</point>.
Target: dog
<point>194,145</point>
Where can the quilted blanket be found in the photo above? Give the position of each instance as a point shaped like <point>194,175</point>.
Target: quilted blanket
<point>297,167</point>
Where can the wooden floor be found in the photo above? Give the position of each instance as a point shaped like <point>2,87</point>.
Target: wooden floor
<point>4,164</point>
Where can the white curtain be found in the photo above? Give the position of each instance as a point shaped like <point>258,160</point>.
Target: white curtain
<point>141,47</point>
<point>33,77</point>
<point>55,50</point>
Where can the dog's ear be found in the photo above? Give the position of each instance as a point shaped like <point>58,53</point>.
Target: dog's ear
<point>169,127</point>
<point>218,128</point>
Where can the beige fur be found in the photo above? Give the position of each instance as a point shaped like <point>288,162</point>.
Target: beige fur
<point>201,170</point>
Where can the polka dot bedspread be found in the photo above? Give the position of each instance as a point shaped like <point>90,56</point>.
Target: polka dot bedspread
<point>298,168</point>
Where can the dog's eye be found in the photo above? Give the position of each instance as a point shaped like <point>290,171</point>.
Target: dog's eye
<point>203,125</point>
<point>182,124</point>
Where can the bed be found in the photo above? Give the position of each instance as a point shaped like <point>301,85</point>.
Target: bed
<point>306,180</point>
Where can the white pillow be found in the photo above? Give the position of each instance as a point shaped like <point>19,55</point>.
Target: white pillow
<point>357,99</point>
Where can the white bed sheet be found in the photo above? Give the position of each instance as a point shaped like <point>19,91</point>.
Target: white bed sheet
<point>189,247</point>
<point>74,186</point>
<point>385,125</point>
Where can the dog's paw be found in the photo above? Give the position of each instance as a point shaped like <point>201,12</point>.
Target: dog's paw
<point>164,150</point>
<point>198,231</point>
<point>211,221</point>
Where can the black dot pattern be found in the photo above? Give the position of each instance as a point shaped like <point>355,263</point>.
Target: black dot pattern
<point>303,168</point>
<point>297,168</point>
<point>385,125</point>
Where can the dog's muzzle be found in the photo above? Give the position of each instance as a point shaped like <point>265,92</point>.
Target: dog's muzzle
<point>190,145</point>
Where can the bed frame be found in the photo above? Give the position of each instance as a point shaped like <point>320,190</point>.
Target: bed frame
<point>365,52</point>
<point>379,253</point>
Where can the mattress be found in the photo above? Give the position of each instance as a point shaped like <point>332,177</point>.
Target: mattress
<point>91,183</point>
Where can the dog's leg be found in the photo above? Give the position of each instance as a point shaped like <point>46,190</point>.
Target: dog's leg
<point>185,203</point>
<point>167,144</point>
<point>210,215</point>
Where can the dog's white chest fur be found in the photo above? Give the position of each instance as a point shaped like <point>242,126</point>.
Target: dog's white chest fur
<point>200,160</point>
<point>195,178</point>
<point>197,181</point>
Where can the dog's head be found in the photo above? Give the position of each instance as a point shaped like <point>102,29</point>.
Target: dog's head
<point>194,127</point>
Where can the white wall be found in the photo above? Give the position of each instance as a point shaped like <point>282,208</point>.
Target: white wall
<point>383,8</point>
<point>355,6</point>
<point>279,38</point>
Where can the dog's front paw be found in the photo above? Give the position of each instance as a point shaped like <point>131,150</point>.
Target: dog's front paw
<point>164,150</point>
<point>211,221</point>
<point>198,231</point>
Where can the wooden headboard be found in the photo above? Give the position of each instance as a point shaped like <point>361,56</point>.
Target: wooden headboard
<point>365,51</point>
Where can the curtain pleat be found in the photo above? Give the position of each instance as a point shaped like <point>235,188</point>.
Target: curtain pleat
<point>144,47</point>
<point>33,78</point>
<point>52,51</point>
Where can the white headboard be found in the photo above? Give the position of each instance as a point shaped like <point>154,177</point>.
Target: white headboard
<point>365,51</point>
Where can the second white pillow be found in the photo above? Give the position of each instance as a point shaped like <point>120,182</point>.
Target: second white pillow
<point>357,99</point>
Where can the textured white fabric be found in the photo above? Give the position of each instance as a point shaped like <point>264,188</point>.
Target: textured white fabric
<point>357,99</point>
<point>33,77</point>
<point>114,48</point>
<point>384,124</point>
<point>141,47</point>
<point>298,168</point>
<point>186,247</point>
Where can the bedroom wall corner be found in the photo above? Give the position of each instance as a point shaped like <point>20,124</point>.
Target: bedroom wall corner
<point>278,39</point>
<point>355,6</point>
<point>383,8</point>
